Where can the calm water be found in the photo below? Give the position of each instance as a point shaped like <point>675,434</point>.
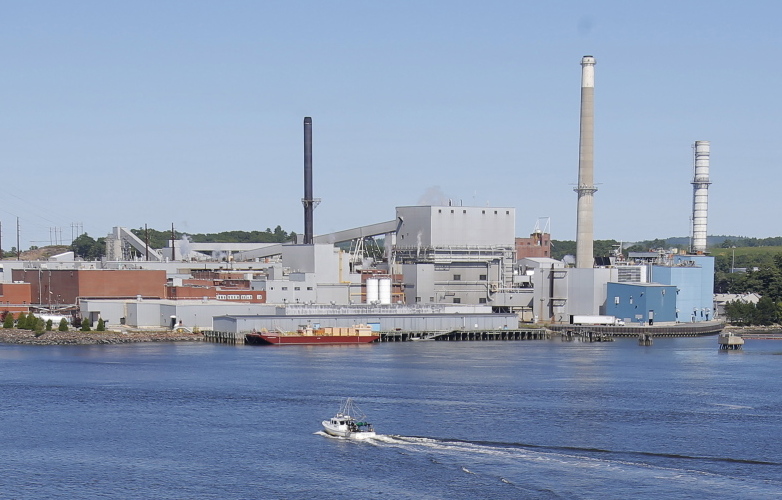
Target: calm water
<point>538,420</point>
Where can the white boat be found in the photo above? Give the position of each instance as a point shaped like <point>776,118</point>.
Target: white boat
<point>349,422</point>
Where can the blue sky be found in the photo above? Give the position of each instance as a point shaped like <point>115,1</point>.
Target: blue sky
<point>190,112</point>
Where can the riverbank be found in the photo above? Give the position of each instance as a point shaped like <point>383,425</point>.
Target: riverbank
<point>754,329</point>
<point>76,337</point>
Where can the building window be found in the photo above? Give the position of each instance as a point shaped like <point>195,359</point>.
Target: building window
<point>457,277</point>
<point>285,288</point>
<point>439,211</point>
<point>297,288</point>
<point>495,212</point>
<point>464,211</point>
<point>507,212</point>
<point>417,299</point>
<point>259,297</point>
<point>482,300</point>
<point>457,300</point>
<point>451,211</point>
<point>482,277</point>
<point>431,299</point>
<point>309,288</point>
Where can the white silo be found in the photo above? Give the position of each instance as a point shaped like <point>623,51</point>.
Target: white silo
<point>385,290</point>
<point>700,196</point>
<point>372,290</point>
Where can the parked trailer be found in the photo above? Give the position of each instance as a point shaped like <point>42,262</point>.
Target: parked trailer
<point>584,319</point>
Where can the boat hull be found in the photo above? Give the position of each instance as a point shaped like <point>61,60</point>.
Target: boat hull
<point>343,432</point>
<point>269,339</point>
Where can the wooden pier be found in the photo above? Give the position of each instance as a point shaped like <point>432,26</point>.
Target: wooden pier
<point>223,337</point>
<point>585,335</point>
<point>467,335</point>
<point>672,330</point>
<point>404,336</point>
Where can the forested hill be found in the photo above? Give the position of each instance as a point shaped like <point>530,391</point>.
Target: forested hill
<point>725,241</point>
<point>89,248</point>
<point>560,248</point>
<point>160,239</point>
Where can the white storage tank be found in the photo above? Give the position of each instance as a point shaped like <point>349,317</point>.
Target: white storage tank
<point>385,290</point>
<point>372,290</point>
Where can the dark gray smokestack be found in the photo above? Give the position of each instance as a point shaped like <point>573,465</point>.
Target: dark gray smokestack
<point>308,201</point>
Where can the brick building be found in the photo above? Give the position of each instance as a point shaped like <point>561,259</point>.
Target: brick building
<point>64,286</point>
<point>15,297</point>
<point>537,245</point>
<point>232,286</point>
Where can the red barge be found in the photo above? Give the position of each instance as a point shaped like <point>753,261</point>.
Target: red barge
<point>360,334</point>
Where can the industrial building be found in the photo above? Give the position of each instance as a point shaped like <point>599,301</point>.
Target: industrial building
<point>434,267</point>
<point>438,318</point>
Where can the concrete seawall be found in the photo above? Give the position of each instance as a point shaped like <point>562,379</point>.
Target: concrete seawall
<point>76,337</point>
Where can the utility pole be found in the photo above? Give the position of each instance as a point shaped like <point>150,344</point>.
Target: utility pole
<point>18,247</point>
<point>146,243</point>
<point>172,243</point>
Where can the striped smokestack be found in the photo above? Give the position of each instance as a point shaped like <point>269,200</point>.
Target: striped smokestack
<point>700,196</point>
<point>586,188</point>
<point>308,201</point>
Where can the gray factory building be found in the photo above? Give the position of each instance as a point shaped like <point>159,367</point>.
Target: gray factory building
<point>380,318</point>
<point>458,255</point>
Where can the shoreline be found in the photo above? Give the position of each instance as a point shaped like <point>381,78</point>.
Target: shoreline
<point>77,337</point>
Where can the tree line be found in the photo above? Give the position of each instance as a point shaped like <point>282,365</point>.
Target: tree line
<point>739,241</point>
<point>89,248</point>
<point>765,280</point>
<point>605,248</point>
<point>31,322</point>
<point>160,239</point>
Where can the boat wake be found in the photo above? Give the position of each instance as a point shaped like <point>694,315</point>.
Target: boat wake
<point>507,447</point>
<point>514,463</point>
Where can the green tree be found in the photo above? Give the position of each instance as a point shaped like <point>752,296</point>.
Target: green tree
<point>765,312</point>
<point>21,321</point>
<point>101,327</point>
<point>85,325</point>
<point>63,325</point>
<point>49,325</point>
<point>87,248</point>
<point>37,326</point>
<point>740,313</point>
<point>8,321</point>
<point>32,322</point>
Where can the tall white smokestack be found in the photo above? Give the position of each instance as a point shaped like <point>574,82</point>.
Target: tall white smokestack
<point>700,196</point>
<point>586,168</point>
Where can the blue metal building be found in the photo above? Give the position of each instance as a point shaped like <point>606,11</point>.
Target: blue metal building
<point>693,276</point>
<point>641,302</point>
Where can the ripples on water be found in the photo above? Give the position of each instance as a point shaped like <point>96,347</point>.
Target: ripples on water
<point>458,420</point>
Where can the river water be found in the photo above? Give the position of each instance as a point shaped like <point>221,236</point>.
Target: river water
<point>457,420</point>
